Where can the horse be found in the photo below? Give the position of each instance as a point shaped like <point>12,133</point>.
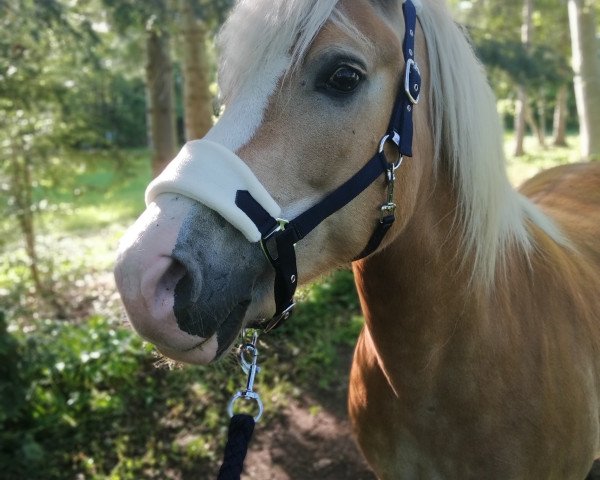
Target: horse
<point>480,352</point>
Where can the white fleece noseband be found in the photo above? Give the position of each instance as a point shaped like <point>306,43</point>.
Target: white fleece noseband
<point>211,174</point>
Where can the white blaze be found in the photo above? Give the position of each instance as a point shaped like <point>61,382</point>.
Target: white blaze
<point>244,114</point>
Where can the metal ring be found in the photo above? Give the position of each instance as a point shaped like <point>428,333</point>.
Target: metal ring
<point>396,141</point>
<point>398,163</point>
<point>246,396</point>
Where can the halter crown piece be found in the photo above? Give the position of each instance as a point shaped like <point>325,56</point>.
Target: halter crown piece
<point>214,176</point>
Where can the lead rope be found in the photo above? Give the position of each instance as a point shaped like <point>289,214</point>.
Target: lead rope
<point>241,425</point>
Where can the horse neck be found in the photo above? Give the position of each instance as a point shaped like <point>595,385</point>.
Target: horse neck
<point>416,294</point>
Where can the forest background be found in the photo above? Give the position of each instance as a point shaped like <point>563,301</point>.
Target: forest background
<point>95,97</point>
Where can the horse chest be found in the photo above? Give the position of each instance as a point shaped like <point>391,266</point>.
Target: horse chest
<point>413,435</point>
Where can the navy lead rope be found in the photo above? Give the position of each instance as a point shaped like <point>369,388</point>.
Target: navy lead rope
<point>241,427</point>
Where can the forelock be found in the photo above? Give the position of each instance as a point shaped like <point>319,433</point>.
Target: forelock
<point>260,32</point>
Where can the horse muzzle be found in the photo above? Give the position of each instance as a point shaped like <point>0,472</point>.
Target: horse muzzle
<point>187,279</point>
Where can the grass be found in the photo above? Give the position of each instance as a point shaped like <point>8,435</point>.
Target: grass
<point>63,382</point>
<point>104,192</point>
<point>536,158</point>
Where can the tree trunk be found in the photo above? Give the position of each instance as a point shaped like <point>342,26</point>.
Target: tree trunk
<point>23,197</point>
<point>22,193</point>
<point>522,107</point>
<point>520,114</point>
<point>541,107</point>
<point>161,100</point>
<point>559,135</point>
<point>196,74</point>
<point>586,69</point>
<point>536,128</point>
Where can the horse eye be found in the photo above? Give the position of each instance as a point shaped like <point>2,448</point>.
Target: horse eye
<point>344,80</point>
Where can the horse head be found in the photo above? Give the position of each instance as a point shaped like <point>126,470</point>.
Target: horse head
<point>309,89</point>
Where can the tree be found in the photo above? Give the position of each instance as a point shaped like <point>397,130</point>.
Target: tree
<point>151,20</point>
<point>522,113</point>
<point>196,73</point>
<point>586,69</point>
<point>559,135</point>
<point>33,130</point>
<point>532,66</point>
<point>198,20</point>
<point>57,95</point>
<point>161,99</point>
<point>158,18</point>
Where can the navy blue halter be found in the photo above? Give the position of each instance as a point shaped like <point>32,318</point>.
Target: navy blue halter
<point>279,237</point>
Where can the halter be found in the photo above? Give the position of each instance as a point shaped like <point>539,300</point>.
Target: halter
<point>279,236</point>
<point>216,177</point>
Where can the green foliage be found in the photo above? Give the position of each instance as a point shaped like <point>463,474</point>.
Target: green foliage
<point>86,399</point>
<point>541,67</point>
<point>56,94</point>
<point>495,29</point>
<point>79,390</point>
<point>57,85</point>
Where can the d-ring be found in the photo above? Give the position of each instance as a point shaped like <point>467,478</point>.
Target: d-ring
<point>395,139</point>
<point>246,395</point>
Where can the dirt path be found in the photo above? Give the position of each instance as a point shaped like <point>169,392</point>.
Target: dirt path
<point>304,443</point>
<point>310,440</point>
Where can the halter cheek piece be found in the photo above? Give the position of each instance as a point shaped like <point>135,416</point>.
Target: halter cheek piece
<point>195,173</point>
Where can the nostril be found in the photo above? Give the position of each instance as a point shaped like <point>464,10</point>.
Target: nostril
<point>158,286</point>
<point>172,275</point>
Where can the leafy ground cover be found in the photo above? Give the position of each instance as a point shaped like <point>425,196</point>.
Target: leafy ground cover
<point>85,398</point>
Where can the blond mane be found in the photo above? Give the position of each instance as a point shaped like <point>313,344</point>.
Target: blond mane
<point>468,139</point>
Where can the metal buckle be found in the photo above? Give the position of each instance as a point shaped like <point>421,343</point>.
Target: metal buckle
<point>272,256</point>
<point>410,63</point>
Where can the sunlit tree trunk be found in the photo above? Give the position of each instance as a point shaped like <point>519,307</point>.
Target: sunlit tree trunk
<point>23,199</point>
<point>196,74</point>
<point>522,108</point>
<point>586,69</point>
<point>536,128</point>
<point>161,99</point>
<point>520,114</point>
<point>21,189</point>
<point>559,134</point>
